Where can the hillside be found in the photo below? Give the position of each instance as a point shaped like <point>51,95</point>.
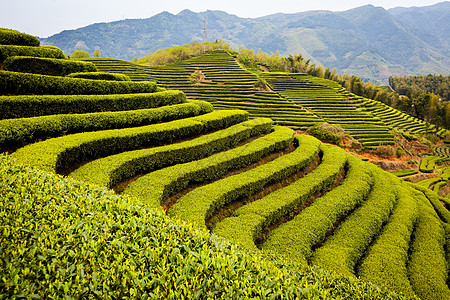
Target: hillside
<point>287,200</point>
<point>367,41</point>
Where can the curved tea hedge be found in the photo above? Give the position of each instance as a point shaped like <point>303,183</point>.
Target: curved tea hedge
<point>24,130</point>
<point>202,202</point>
<point>46,66</point>
<point>25,84</point>
<point>14,37</point>
<point>43,51</point>
<point>99,75</point>
<point>58,153</point>
<point>40,105</point>
<point>115,168</point>
<point>156,186</point>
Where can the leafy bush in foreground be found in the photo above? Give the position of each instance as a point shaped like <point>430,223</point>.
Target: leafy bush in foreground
<point>61,239</point>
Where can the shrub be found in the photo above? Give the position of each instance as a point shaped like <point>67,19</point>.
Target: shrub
<point>25,84</point>
<point>386,260</point>
<point>399,152</point>
<point>20,131</point>
<point>14,37</point>
<point>327,133</point>
<point>428,163</point>
<point>40,105</point>
<point>345,248</point>
<point>251,219</point>
<point>59,153</point>
<point>62,239</point>
<point>100,76</point>
<point>112,169</point>
<point>44,51</point>
<point>309,228</point>
<point>384,151</point>
<point>427,265</point>
<point>154,187</point>
<point>202,202</point>
<point>46,66</point>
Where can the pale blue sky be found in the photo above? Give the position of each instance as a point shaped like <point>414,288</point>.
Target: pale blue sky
<point>47,17</point>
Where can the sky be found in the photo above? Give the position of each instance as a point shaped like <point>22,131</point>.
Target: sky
<point>44,18</point>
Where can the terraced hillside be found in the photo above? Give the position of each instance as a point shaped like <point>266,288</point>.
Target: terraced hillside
<point>300,101</point>
<point>217,78</point>
<point>331,107</point>
<point>245,179</point>
<point>392,117</point>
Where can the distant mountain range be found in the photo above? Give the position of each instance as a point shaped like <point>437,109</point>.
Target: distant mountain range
<point>367,41</point>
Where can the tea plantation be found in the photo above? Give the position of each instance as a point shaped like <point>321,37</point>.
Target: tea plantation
<point>124,189</point>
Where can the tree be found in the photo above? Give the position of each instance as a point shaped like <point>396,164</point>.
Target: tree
<point>97,53</point>
<point>77,54</point>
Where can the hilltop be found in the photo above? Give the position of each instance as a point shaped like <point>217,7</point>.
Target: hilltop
<point>367,41</point>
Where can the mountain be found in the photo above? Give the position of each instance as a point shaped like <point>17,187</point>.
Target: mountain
<point>367,41</point>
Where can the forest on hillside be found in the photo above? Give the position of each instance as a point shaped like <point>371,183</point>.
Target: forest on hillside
<point>413,86</point>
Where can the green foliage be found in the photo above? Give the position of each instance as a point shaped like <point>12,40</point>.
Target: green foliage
<point>386,260</point>
<point>24,130</point>
<point>46,66</point>
<point>14,37</point>
<point>420,84</point>
<point>427,265</point>
<point>24,84</point>
<point>346,247</point>
<point>100,76</point>
<point>62,239</point>
<point>435,201</point>
<point>202,202</point>
<point>404,173</point>
<point>310,226</point>
<point>58,153</point>
<point>97,53</point>
<point>428,163</point>
<point>44,51</point>
<point>112,169</point>
<point>327,133</point>
<point>34,106</point>
<point>78,54</point>
<point>154,187</point>
<point>251,219</point>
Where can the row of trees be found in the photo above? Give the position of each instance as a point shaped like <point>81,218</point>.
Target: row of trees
<point>180,53</point>
<point>79,54</point>
<point>414,86</point>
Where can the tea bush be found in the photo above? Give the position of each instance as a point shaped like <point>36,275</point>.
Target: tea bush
<point>46,66</point>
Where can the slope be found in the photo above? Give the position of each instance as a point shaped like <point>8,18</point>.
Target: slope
<point>264,187</point>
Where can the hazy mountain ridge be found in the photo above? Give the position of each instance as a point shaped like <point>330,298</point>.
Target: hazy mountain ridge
<point>368,41</point>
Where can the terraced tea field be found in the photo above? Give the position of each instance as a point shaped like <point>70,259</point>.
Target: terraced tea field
<point>295,100</point>
<point>229,172</point>
<point>222,82</point>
